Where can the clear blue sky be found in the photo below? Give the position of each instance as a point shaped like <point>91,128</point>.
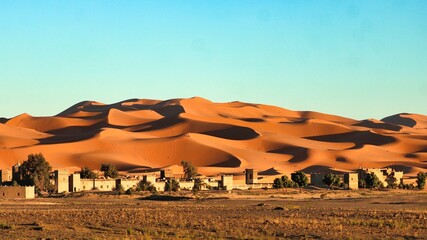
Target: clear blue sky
<point>358,59</point>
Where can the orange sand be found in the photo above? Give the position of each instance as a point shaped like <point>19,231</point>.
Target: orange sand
<point>139,135</point>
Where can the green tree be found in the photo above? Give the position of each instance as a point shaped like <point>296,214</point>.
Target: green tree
<point>87,173</point>
<point>331,180</point>
<point>190,171</point>
<point>391,182</point>
<point>278,184</point>
<point>300,178</point>
<point>421,180</point>
<point>171,185</point>
<point>372,181</point>
<point>109,170</point>
<point>35,171</point>
<point>287,183</point>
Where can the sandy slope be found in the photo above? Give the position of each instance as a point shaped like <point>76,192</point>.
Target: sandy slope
<point>139,134</point>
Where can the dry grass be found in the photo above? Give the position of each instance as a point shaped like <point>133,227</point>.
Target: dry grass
<point>384,216</point>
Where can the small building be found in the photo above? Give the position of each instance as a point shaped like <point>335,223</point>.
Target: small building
<point>352,180</point>
<point>227,182</point>
<point>61,181</point>
<point>251,176</point>
<point>18,192</point>
<point>385,175</point>
<point>74,183</point>
<point>5,175</point>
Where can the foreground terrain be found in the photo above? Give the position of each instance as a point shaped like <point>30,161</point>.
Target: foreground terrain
<point>314,214</point>
<point>137,135</point>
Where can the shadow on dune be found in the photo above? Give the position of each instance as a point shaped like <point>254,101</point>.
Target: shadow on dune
<point>398,119</point>
<point>159,124</point>
<point>385,126</point>
<point>341,159</point>
<point>269,172</point>
<point>3,120</point>
<point>299,154</point>
<point>72,134</point>
<point>405,169</point>
<point>359,138</point>
<point>319,169</point>
<point>252,119</point>
<point>233,133</point>
<point>232,162</point>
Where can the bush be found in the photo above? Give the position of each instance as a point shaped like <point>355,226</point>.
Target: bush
<point>278,184</point>
<point>146,186</point>
<point>190,171</point>
<point>87,173</point>
<point>198,184</point>
<point>171,185</point>
<point>109,170</point>
<point>331,180</point>
<point>129,191</point>
<point>421,180</point>
<point>372,181</point>
<point>300,179</point>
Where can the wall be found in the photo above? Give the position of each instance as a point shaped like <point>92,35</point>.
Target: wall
<point>127,183</point>
<point>105,184</point>
<point>18,192</point>
<point>227,182</point>
<point>86,184</point>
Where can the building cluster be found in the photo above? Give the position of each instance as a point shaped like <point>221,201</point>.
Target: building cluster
<point>385,175</point>
<point>65,182</point>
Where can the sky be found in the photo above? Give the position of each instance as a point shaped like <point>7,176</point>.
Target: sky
<point>360,59</point>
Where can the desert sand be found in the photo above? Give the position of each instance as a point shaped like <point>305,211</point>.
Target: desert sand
<point>139,135</point>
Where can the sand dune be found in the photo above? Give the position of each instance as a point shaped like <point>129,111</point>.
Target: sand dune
<point>139,135</point>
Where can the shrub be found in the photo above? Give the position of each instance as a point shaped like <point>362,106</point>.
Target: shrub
<point>171,185</point>
<point>87,173</point>
<point>300,179</point>
<point>129,191</point>
<point>278,184</point>
<point>109,170</point>
<point>372,181</point>
<point>146,186</point>
<point>421,180</point>
<point>331,180</point>
<point>190,171</point>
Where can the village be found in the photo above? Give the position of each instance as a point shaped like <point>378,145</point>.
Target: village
<point>65,182</point>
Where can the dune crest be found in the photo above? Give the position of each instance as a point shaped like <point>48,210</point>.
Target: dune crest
<point>142,134</point>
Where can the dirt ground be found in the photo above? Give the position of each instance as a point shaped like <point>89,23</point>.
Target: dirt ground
<point>262,214</point>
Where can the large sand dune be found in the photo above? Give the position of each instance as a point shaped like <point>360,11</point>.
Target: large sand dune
<point>139,135</point>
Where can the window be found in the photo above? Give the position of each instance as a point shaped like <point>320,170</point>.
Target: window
<point>18,194</point>
<point>3,194</point>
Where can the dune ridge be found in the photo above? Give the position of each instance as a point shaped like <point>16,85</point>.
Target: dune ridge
<point>143,134</point>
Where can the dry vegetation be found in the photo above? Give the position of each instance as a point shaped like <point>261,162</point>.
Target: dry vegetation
<point>240,215</point>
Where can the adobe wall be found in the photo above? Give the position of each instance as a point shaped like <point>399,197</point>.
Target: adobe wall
<point>18,192</point>
<point>127,183</point>
<point>227,182</point>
